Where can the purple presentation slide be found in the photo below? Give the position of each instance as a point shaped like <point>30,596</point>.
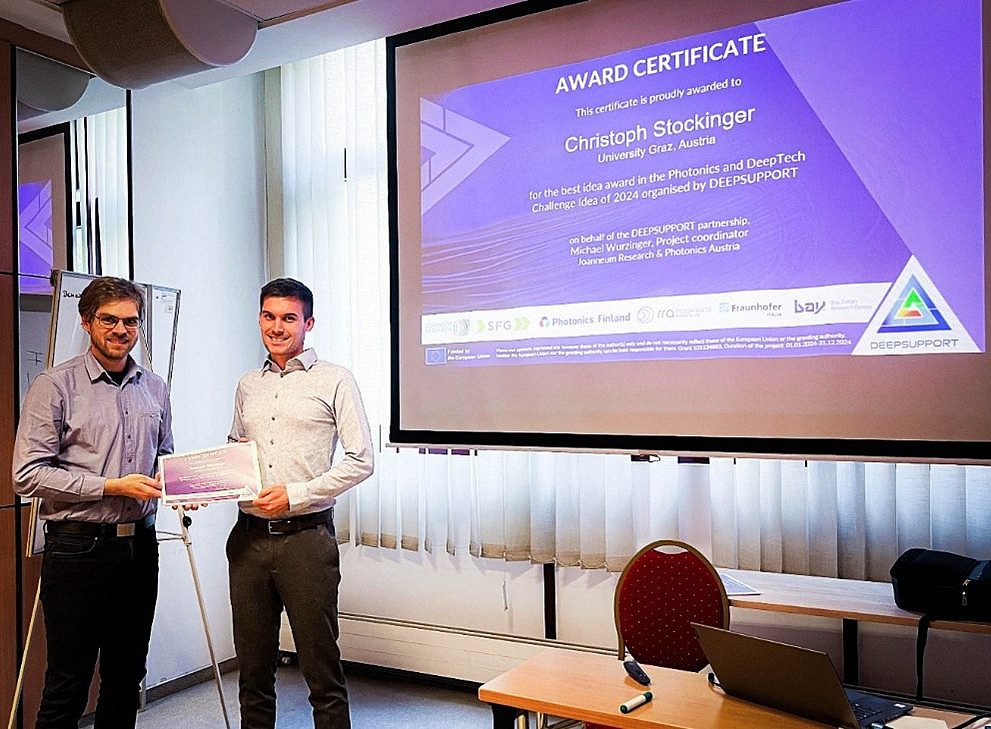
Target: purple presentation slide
<point>35,236</point>
<point>804,185</point>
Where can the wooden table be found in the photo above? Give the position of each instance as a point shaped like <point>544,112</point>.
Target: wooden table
<point>851,601</point>
<point>591,686</point>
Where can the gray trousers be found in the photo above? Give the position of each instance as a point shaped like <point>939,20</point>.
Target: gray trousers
<point>300,572</point>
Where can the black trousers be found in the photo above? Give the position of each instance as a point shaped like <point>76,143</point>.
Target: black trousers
<point>300,572</point>
<point>98,594</point>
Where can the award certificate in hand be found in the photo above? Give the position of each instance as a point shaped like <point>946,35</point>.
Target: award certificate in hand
<point>224,473</point>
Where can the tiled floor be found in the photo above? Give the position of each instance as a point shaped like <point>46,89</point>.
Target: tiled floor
<point>377,702</point>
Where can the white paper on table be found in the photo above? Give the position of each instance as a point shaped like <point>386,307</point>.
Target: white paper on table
<point>916,722</point>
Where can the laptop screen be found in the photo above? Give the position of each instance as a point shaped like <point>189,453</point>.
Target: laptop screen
<point>782,676</point>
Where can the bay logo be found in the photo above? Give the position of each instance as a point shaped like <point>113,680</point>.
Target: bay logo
<point>809,307</point>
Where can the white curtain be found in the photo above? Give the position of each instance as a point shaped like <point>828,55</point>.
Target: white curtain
<point>837,519</point>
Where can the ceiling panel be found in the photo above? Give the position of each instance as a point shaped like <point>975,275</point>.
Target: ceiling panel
<point>268,12</point>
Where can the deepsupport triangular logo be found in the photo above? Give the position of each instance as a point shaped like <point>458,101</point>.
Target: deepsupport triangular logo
<point>914,318</point>
<point>914,311</point>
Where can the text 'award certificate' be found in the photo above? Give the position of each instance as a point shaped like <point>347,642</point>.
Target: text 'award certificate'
<point>224,473</point>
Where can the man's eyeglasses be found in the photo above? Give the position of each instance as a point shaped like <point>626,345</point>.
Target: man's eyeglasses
<point>110,321</point>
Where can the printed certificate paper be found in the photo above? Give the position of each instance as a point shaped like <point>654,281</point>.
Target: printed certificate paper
<point>213,474</point>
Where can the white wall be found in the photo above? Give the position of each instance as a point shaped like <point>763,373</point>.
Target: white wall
<point>199,226</point>
<point>464,592</point>
<point>436,613</point>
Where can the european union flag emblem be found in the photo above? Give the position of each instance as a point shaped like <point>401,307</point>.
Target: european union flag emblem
<point>436,355</point>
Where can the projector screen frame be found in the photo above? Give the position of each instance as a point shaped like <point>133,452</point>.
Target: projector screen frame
<point>867,449</point>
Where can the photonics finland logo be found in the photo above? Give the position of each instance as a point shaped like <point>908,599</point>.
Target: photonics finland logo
<point>914,318</point>
<point>914,311</point>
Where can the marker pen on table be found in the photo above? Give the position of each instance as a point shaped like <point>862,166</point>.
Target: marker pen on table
<point>639,700</point>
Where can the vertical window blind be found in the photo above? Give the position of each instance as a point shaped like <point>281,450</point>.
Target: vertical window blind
<point>101,235</point>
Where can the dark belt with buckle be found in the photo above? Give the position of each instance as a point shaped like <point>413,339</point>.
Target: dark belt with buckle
<point>100,529</point>
<point>290,525</point>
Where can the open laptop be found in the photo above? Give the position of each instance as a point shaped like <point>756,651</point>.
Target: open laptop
<point>786,677</point>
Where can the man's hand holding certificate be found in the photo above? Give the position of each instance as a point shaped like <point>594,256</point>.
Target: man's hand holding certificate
<point>224,473</point>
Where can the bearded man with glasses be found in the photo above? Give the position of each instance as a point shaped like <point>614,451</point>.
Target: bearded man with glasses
<point>90,433</point>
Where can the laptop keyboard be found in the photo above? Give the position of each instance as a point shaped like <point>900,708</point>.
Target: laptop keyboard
<point>864,713</point>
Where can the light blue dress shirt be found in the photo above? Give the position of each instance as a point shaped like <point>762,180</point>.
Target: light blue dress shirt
<point>78,428</point>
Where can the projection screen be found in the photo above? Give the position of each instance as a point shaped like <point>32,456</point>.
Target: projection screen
<point>693,227</point>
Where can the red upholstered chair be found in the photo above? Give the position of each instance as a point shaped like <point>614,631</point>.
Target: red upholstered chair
<point>664,588</point>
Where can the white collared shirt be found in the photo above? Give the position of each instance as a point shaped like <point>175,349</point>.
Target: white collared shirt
<point>297,417</point>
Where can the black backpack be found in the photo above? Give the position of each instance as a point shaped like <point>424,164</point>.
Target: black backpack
<point>941,586</point>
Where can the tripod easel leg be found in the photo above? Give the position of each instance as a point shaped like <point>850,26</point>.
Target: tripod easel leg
<point>24,659</point>
<point>184,522</point>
